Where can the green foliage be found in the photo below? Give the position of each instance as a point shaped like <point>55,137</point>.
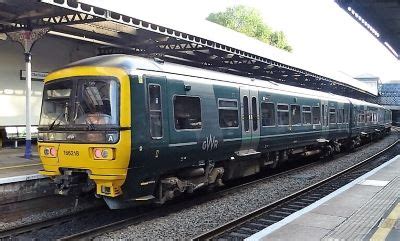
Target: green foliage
<point>249,21</point>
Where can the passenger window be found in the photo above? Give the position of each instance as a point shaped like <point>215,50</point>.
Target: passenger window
<point>155,111</point>
<point>332,116</point>
<point>246,113</point>
<point>254,113</point>
<point>268,114</point>
<point>361,117</point>
<point>306,115</point>
<point>283,115</point>
<point>295,114</point>
<point>187,112</point>
<point>228,113</point>
<point>316,115</point>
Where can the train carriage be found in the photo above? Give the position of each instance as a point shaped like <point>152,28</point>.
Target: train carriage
<point>136,130</point>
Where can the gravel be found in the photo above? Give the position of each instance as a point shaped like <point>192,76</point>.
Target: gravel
<point>197,219</point>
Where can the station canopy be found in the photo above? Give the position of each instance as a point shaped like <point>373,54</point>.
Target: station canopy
<point>206,45</point>
<point>380,18</point>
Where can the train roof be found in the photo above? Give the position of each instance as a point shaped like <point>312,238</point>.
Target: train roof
<point>132,64</point>
<point>361,102</point>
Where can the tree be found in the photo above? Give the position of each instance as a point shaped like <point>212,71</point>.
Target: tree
<point>249,21</point>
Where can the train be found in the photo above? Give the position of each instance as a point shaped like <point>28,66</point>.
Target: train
<point>136,130</point>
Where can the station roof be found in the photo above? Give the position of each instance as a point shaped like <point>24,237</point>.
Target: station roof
<point>380,18</point>
<point>211,47</point>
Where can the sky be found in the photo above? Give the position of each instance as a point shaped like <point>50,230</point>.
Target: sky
<point>319,31</point>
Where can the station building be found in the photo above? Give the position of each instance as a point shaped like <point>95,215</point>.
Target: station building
<point>389,96</point>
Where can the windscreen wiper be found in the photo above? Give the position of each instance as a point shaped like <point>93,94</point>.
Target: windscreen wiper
<point>54,122</point>
<point>58,117</point>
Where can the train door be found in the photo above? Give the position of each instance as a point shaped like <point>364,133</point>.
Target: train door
<point>324,119</point>
<point>250,120</point>
<point>156,107</point>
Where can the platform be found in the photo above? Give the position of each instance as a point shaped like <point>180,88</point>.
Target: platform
<point>366,209</point>
<point>13,164</point>
<point>19,178</point>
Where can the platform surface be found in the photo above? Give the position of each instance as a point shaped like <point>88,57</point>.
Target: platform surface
<point>366,209</point>
<point>14,167</point>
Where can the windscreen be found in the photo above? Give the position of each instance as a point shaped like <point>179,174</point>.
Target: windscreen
<point>96,103</point>
<point>80,102</point>
<point>56,103</point>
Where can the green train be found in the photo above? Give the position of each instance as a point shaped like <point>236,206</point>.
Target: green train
<point>134,130</point>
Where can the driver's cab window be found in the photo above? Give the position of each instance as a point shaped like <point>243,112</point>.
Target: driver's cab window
<point>97,103</point>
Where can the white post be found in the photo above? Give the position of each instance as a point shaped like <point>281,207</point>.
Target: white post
<point>28,89</point>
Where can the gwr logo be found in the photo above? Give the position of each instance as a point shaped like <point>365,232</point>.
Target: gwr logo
<point>210,143</point>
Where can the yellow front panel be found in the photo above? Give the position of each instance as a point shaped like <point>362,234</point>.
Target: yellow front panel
<point>80,156</point>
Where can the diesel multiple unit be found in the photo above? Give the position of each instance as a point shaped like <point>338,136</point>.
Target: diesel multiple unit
<point>136,130</point>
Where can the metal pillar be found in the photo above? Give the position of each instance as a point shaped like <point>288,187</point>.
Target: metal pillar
<point>27,39</point>
<point>28,89</point>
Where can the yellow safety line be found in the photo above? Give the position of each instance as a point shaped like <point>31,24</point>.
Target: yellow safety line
<point>27,165</point>
<point>387,224</point>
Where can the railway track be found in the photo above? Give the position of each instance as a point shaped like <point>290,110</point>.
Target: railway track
<point>89,234</point>
<point>87,225</point>
<point>50,229</point>
<point>251,223</point>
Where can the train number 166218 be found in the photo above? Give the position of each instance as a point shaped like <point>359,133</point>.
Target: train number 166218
<point>71,153</point>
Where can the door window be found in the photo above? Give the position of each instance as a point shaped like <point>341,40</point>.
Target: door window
<point>155,111</point>
<point>340,116</point>
<point>254,113</point>
<point>246,113</point>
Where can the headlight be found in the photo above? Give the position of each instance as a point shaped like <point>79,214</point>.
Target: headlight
<point>103,153</point>
<point>49,152</point>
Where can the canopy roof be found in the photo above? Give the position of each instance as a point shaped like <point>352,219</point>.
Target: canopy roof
<point>380,18</point>
<point>207,46</point>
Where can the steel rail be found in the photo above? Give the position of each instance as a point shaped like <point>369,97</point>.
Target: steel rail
<point>32,227</point>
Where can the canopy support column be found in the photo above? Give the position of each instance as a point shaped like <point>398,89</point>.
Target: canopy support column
<point>28,89</point>
<point>27,39</point>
